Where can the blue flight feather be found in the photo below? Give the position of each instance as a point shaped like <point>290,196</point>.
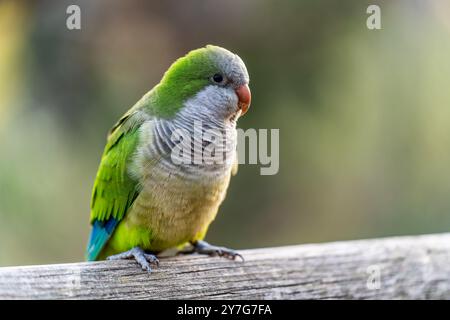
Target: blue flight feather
<point>101,231</point>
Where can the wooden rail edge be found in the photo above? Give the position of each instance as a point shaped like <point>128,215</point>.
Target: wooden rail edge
<point>412,267</point>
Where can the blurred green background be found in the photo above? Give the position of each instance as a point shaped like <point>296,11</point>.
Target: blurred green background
<point>364,116</point>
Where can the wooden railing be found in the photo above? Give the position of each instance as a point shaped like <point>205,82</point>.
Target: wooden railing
<point>416,267</point>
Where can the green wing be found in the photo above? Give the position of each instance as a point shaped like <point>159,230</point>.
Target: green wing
<point>114,189</point>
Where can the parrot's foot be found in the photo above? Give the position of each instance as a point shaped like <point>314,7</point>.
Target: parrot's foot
<point>144,259</point>
<point>204,247</point>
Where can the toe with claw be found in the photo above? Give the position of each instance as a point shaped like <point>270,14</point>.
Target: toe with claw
<point>204,247</point>
<point>144,259</point>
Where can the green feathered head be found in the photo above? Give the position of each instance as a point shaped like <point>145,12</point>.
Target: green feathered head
<point>213,67</point>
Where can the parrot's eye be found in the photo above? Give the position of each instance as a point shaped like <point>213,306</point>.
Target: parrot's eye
<point>218,78</point>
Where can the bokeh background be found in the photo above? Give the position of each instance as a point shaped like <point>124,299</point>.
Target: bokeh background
<point>364,116</point>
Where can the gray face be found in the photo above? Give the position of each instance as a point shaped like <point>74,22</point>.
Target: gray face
<point>231,67</point>
<point>219,100</point>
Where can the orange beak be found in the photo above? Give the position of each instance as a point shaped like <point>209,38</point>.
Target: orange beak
<point>245,98</point>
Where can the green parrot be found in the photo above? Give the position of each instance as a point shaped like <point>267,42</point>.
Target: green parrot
<point>144,202</point>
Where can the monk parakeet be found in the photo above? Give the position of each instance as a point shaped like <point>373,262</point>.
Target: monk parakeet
<point>144,202</point>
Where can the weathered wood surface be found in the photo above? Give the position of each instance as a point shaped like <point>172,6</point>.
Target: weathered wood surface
<point>391,268</point>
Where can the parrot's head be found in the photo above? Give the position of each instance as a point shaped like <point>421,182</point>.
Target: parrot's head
<point>210,80</point>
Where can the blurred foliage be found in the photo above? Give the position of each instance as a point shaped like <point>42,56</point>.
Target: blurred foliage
<point>364,116</point>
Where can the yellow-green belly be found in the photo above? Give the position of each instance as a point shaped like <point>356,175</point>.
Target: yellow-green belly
<point>168,212</point>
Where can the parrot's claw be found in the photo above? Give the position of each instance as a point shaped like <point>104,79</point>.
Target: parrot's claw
<point>144,259</point>
<point>204,247</point>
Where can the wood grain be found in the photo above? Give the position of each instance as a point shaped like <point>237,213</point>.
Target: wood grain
<point>416,267</point>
